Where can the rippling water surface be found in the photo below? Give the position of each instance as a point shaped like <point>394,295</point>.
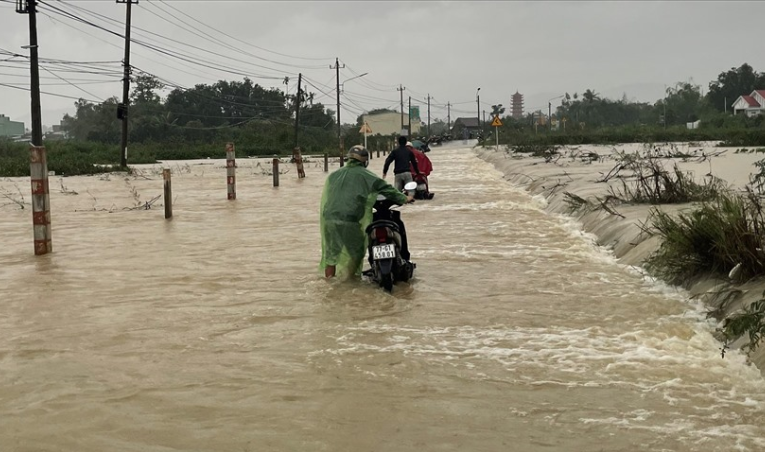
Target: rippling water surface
<point>215,332</point>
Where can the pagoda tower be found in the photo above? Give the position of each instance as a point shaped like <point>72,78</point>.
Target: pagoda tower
<point>517,105</point>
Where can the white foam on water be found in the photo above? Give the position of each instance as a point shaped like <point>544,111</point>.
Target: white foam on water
<point>588,358</point>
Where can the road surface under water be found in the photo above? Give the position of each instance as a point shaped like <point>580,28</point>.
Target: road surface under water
<point>216,332</point>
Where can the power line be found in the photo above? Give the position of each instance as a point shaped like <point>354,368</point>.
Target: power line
<point>177,55</point>
<point>89,82</point>
<point>137,53</point>
<point>217,41</point>
<point>47,93</point>
<point>246,43</point>
<point>200,48</point>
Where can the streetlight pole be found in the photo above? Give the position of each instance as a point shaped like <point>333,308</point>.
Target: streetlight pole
<point>341,89</point>
<point>549,112</point>
<point>342,85</point>
<point>339,128</point>
<point>409,126</point>
<point>401,89</point>
<point>478,111</point>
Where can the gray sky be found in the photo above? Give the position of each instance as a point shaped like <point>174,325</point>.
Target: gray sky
<point>446,49</point>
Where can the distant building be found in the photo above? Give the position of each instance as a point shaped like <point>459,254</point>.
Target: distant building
<point>389,123</point>
<point>470,127</point>
<point>56,133</point>
<point>516,103</point>
<point>751,105</point>
<point>10,128</point>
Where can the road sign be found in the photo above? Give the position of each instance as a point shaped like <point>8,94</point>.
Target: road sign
<point>365,129</point>
<point>496,122</point>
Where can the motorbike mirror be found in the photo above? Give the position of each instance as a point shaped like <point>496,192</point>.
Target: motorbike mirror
<point>410,186</point>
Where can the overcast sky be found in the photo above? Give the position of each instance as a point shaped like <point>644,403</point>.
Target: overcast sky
<point>445,49</point>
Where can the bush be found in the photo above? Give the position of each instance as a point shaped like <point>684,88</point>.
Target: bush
<point>714,238</point>
<point>655,185</point>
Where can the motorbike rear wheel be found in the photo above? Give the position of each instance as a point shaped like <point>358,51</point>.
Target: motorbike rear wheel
<point>386,282</point>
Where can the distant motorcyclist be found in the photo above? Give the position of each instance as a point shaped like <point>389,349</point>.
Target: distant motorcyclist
<point>346,211</point>
<point>402,157</point>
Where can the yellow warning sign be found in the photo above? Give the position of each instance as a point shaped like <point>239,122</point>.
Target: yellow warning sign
<point>365,129</point>
<point>496,122</point>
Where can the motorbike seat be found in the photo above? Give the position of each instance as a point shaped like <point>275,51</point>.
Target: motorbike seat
<point>382,223</point>
<point>392,227</point>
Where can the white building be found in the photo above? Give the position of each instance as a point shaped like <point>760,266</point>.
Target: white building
<point>389,123</point>
<point>751,105</point>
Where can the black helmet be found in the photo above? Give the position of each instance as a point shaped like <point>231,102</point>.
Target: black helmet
<point>359,153</point>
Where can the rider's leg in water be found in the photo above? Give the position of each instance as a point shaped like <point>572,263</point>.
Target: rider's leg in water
<point>354,238</point>
<point>332,246</point>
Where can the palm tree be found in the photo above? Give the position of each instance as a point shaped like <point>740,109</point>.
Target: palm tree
<point>590,96</point>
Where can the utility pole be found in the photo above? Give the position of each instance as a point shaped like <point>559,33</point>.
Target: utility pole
<point>428,115</point>
<point>38,163</point>
<point>298,98</point>
<point>339,129</point>
<point>401,89</point>
<point>448,116</point>
<point>478,112</point>
<point>34,76</point>
<point>122,109</point>
<point>549,117</point>
<point>409,129</point>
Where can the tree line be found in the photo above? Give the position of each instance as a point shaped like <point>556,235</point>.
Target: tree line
<point>259,120</point>
<point>588,117</point>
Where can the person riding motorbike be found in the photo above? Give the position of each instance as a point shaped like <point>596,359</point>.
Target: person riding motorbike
<point>346,211</point>
<point>402,157</point>
<point>425,167</point>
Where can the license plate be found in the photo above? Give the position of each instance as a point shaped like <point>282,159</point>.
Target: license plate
<point>383,252</point>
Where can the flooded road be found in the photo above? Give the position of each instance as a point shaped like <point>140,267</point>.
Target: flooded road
<point>215,332</point>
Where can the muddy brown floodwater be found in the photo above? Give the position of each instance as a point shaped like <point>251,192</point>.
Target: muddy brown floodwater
<point>215,332</point>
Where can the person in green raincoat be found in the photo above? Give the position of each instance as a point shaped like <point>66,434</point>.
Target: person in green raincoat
<point>346,211</point>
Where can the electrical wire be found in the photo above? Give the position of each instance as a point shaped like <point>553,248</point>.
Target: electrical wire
<point>47,93</point>
<point>184,71</point>
<point>176,55</point>
<point>244,42</point>
<point>217,41</point>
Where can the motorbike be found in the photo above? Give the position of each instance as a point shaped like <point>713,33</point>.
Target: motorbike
<point>423,189</point>
<point>388,249</point>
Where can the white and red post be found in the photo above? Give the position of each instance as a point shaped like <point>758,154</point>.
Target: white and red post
<point>40,200</point>
<point>231,170</point>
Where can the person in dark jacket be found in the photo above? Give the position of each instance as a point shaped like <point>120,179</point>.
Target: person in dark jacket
<point>402,158</point>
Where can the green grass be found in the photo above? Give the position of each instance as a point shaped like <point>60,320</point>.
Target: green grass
<point>71,158</point>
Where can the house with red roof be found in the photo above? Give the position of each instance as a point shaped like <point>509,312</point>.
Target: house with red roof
<point>751,105</point>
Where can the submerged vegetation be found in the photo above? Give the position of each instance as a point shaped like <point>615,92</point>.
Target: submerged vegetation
<point>715,237</point>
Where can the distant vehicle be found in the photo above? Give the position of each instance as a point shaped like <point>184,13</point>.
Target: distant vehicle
<point>435,140</point>
<point>421,145</point>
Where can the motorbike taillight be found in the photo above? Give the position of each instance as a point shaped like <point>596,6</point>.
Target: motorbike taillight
<point>381,234</point>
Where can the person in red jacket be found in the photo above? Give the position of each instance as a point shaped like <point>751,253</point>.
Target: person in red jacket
<point>425,167</point>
